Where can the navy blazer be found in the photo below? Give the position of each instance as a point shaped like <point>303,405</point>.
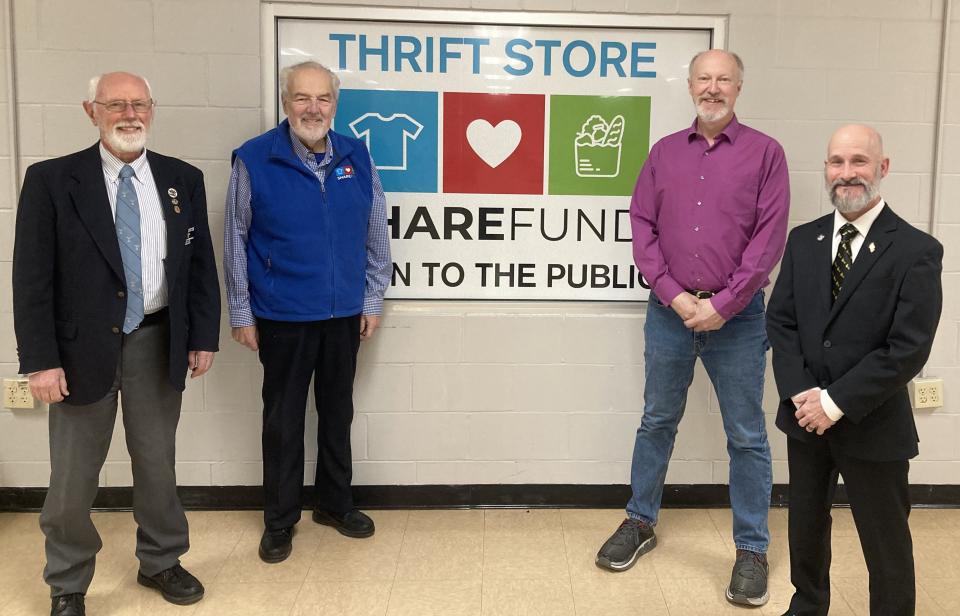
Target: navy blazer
<point>68,281</point>
<point>865,347</point>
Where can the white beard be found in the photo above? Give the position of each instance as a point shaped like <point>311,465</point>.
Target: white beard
<point>309,135</point>
<point>712,116</point>
<point>128,143</point>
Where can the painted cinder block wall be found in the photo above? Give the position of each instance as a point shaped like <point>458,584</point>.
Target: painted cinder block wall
<point>452,392</point>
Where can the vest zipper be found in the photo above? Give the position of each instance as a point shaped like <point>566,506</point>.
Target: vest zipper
<point>333,285</point>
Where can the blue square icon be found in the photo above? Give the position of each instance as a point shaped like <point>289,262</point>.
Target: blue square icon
<point>400,130</point>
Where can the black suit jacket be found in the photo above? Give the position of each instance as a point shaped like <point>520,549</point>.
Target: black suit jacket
<point>68,275</point>
<point>864,348</point>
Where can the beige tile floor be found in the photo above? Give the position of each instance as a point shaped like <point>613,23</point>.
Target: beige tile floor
<point>477,562</point>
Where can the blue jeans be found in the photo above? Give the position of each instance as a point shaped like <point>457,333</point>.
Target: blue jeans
<point>734,357</point>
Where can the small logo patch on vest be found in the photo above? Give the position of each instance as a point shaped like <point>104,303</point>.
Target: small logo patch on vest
<point>344,173</point>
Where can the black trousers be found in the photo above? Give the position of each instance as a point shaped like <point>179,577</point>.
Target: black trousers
<point>880,502</point>
<point>292,353</point>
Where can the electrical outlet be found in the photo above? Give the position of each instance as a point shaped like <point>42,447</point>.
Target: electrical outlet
<point>16,394</point>
<point>927,393</point>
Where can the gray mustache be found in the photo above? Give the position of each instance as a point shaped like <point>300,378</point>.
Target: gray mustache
<point>853,182</point>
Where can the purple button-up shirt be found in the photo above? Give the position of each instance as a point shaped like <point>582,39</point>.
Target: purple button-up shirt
<point>711,218</point>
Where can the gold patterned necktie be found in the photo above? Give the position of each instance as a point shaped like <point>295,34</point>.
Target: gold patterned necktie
<point>844,259</point>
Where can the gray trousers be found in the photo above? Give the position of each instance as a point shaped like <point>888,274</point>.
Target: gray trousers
<point>79,440</point>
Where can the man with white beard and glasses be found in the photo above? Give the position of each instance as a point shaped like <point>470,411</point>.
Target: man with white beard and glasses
<point>852,319</point>
<point>307,260</point>
<point>115,291</point>
<point>709,218</point>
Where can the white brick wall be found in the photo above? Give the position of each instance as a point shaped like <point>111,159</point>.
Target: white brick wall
<point>487,392</point>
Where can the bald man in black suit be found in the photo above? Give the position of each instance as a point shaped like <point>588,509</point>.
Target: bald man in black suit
<point>851,320</point>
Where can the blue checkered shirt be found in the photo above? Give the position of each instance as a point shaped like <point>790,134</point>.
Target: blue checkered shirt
<point>237,223</point>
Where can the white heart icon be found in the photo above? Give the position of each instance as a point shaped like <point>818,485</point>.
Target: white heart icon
<point>493,144</point>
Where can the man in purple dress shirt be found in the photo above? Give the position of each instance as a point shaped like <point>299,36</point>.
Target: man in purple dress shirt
<point>709,217</point>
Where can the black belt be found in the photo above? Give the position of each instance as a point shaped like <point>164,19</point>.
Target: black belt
<point>700,294</point>
<point>154,318</point>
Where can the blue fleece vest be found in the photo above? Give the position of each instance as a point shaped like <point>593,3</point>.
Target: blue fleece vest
<point>306,247</point>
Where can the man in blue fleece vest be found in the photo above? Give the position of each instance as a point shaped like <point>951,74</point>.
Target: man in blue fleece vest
<point>307,260</point>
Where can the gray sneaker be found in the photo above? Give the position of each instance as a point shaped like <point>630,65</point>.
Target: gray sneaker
<point>633,539</point>
<point>748,583</point>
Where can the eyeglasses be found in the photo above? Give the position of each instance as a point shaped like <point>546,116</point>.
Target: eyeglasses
<point>306,101</point>
<point>139,106</point>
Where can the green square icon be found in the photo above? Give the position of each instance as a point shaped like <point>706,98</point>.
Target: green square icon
<point>597,144</point>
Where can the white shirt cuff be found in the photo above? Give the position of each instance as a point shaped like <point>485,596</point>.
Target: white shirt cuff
<point>829,406</point>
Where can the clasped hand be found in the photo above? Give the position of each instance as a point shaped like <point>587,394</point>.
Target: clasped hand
<point>697,314</point>
<point>810,414</point>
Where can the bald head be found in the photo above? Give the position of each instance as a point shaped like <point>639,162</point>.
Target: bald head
<point>860,136</point>
<point>109,79</point>
<point>854,167</point>
<point>732,62</point>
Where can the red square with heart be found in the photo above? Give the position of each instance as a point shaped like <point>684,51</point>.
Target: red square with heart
<point>493,143</point>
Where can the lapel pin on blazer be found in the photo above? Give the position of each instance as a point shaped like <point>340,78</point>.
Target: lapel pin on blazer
<point>872,246</point>
<point>173,199</point>
<point>820,237</point>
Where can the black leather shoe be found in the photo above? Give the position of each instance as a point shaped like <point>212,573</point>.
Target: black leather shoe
<point>276,545</point>
<point>353,523</point>
<point>176,584</point>
<point>67,605</point>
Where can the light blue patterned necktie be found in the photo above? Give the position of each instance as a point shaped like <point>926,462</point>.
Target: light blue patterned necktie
<point>128,233</point>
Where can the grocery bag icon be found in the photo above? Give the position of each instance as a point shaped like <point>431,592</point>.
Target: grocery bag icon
<point>597,147</point>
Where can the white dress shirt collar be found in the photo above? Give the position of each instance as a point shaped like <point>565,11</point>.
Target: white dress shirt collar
<point>863,223</point>
<point>112,165</point>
